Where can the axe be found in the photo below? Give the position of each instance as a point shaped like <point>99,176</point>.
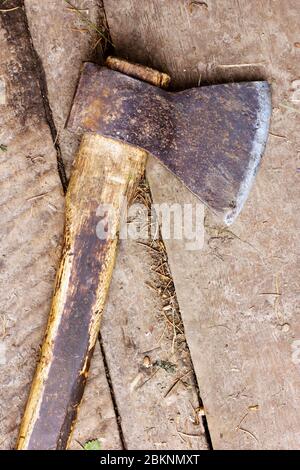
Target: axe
<point>211,138</point>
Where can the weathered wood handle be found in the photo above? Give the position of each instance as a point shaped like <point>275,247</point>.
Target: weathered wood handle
<point>105,174</point>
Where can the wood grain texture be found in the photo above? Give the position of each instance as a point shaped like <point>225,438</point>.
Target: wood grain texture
<point>150,365</point>
<point>68,45</point>
<point>241,306</point>
<point>104,177</point>
<point>32,207</point>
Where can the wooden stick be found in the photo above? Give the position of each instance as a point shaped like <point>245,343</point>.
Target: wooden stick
<point>141,72</point>
<point>105,174</point>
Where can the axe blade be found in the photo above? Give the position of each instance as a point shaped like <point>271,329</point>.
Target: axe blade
<point>211,137</point>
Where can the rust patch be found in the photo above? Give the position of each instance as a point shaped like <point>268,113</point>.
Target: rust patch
<point>93,111</point>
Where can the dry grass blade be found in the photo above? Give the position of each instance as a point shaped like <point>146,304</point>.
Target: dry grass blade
<point>189,435</point>
<point>172,350</point>
<point>231,66</point>
<point>162,281</point>
<point>177,382</point>
<point>88,22</point>
<point>290,108</point>
<point>6,10</point>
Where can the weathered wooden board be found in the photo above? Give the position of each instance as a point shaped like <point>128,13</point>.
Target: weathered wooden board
<point>151,370</point>
<point>32,207</point>
<point>239,295</point>
<point>68,44</point>
<point>148,420</point>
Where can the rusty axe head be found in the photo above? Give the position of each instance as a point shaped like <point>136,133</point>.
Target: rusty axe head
<point>212,137</point>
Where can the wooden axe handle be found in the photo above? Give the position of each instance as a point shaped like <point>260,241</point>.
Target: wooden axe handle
<point>105,175</point>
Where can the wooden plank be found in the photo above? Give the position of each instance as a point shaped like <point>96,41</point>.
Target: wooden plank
<point>32,209</point>
<point>134,319</point>
<point>70,42</point>
<point>68,45</point>
<point>241,306</point>
<point>149,362</point>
